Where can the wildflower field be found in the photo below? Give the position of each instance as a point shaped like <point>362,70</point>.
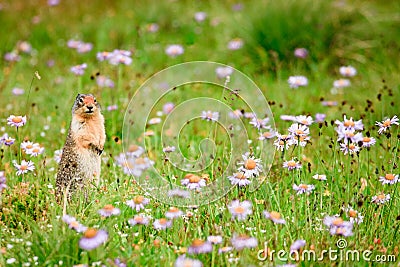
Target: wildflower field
<point>254,133</point>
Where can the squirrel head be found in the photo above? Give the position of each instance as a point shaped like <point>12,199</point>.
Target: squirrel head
<point>85,105</point>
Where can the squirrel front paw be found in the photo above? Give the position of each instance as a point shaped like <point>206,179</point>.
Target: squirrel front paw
<point>96,149</point>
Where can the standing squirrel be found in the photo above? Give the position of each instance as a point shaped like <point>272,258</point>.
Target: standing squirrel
<point>80,159</point>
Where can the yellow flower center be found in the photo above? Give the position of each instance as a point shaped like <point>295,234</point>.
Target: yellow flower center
<point>389,176</point>
<point>291,163</point>
<point>281,143</point>
<point>194,178</point>
<point>349,123</point>
<point>138,199</point>
<point>337,221</point>
<point>381,196</point>
<point>197,243</point>
<point>366,139</point>
<point>349,134</point>
<point>250,164</point>
<point>275,215</point>
<point>299,132</point>
<point>23,167</point>
<point>29,146</point>
<point>133,148</point>
<point>352,146</point>
<point>239,209</point>
<point>173,209</point>
<point>353,213</point>
<point>36,150</point>
<point>387,123</point>
<point>339,230</point>
<point>303,186</point>
<point>139,219</point>
<point>162,221</point>
<point>108,207</point>
<point>304,122</point>
<point>243,236</point>
<point>140,161</point>
<point>240,175</point>
<point>74,224</point>
<point>90,233</point>
<point>17,119</point>
<point>267,134</point>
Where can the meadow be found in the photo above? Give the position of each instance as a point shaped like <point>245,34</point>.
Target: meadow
<point>235,130</point>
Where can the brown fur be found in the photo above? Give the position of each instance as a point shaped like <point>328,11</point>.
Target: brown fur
<point>80,160</point>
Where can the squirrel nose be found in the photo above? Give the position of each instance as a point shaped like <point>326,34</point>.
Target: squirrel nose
<point>90,108</point>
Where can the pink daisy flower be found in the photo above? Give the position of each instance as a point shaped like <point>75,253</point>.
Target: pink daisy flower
<point>162,224</point>
<point>303,188</point>
<point>274,216</point>
<point>16,121</point>
<point>199,247</point>
<point>92,238</point>
<point>139,219</point>
<point>138,203</point>
<point>389,178</point>
<point>242,241</point>
<point>24,167</point>
<point>387,123</point>
<point>240,210</point>
<point>109,210</point>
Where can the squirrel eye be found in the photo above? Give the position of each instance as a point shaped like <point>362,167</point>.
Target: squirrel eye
<point>80,100</point>
<point>95,101</point>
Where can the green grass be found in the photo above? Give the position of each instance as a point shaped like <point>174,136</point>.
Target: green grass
<point>363,34</point>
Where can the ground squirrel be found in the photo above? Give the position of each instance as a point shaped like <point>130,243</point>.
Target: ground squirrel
<point>80,159</point>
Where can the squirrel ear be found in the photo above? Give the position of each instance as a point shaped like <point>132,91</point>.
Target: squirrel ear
<point>79,95</point>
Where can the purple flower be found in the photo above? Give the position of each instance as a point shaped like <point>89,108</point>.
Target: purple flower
<point>223,72</point>
<point>12,56</point>
<point>240,210</point>
<point>274,216</point>
<point>168,107</point>
<point>320,117</point>
<point>162,224</point>
<point>297,245</point>
<point>79,70</point>
<point>240,242</point>
<point>183,261</point>
<point>112,107</point>
<point>138,219</point>
<point>120,57</point>
<point>173,213</point>
<point>235,44</point>
<point>103,81</point>
<point>174,50</point>
<point>179,193</point>
<point>84,47</point>
<point>199,247</point>
<point>93,238</point>
<point>200,16</point>
<point>337,226</point>
<point>301,52</point>
<point>74,224</point>
<point>3,181</point>
<point>138,203</point>
<point>109,210</point>
<point>303,188</point>
<point>16,121</point>
<point>17,91</point>
<point>6,140</point>
<point>24,167</point>
<point>53,2</point>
